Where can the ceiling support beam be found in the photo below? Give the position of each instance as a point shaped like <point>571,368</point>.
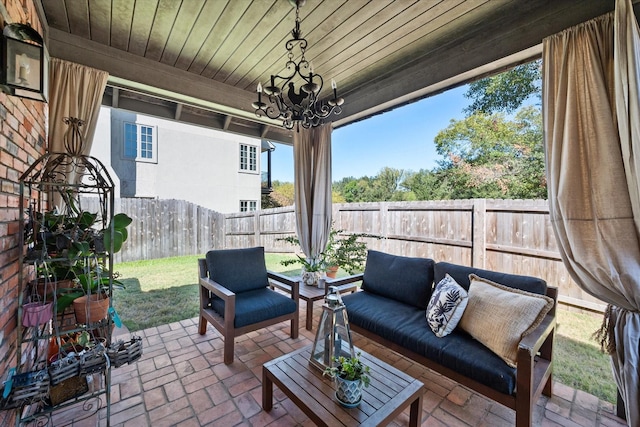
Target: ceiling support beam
<point>227,122</point>
<point>146,73</point>
<point>114,97</point>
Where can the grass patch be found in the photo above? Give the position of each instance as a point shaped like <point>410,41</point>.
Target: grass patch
<point>578,361</point>
<point>162,291</point>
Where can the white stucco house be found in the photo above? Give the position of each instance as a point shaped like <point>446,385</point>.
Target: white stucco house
<point>149,157</point>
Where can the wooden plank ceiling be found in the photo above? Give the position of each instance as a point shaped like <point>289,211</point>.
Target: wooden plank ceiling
<point>199,61</point>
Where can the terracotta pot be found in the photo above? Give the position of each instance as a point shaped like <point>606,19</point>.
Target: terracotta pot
<point>332,271</point>
<point>91,308</point>
<point>46,288</point>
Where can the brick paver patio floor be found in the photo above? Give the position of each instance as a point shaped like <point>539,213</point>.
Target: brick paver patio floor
<point>181,380</point>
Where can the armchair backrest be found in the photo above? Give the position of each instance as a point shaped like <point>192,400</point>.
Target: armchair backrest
<point>238,270</point>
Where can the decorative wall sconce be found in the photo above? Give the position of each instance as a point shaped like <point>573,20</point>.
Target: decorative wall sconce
<point>333,338</point>
<point>24,63</point>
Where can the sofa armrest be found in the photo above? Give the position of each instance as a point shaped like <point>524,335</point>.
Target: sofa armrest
<point>284,283</point>
<point>216,288</point>
<point>208,286</point>
<point>345,284</point>
<point>532,343</point>
<point>344,280</point>
<point>279,277</point>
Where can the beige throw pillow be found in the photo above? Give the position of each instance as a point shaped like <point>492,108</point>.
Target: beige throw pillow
<point>500,316</point>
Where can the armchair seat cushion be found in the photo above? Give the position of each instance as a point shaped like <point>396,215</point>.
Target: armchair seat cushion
<point>256,306</point>
<point>405,325</point>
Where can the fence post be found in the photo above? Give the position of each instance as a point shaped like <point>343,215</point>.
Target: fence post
<point>384,229</point>
<point>479,234</point>
<point>256,228</point>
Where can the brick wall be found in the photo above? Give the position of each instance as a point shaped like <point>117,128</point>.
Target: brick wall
<point>22,140</point>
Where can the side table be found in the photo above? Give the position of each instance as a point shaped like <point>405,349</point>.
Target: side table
<point>310,294</point>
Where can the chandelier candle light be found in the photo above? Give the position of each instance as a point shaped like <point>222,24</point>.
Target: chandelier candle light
<point>297,107</point>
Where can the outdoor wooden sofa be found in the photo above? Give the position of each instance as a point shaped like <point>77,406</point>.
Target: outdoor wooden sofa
<point>236,295</point>
<point>391,309</point>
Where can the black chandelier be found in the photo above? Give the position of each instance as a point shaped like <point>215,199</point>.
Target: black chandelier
<point>301,107</point>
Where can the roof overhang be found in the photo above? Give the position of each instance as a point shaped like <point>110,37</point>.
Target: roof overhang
<point>198,62</point>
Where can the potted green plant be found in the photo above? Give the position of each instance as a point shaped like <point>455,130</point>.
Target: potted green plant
<point>351,376</point>
<point>312,269</point>
<point>71,244</point>
<point>347,252</point>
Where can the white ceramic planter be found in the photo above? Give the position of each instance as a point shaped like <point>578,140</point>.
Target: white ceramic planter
<point>349,393</point>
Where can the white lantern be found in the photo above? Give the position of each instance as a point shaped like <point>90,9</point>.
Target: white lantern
<point>333,338</point>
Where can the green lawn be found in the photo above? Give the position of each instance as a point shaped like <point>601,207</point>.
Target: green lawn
<point>161,291</point>
<point>165,290</point>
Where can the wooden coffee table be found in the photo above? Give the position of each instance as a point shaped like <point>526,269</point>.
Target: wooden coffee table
<point>390,392</point>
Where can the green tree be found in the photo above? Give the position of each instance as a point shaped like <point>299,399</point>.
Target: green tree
<point>426,185</point>
<point>355,190</point>
<point>386,186</point>
<point>268,202</point>
<point>494,157</point>
<point>505,92</point>
<point>282,193</point>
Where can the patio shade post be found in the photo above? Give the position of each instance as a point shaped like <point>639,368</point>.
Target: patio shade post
<point>590,104</point>
<point>75,91</point>
<point>312,164</point>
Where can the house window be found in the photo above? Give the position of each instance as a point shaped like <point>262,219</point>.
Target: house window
<point>140,142</point>
<point>247,205</point>
<point>248,158</point>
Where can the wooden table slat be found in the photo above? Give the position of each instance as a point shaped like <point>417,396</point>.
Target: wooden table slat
<point>323,400</point>
<point>299,396</point>
<point>301,361</point>
<point>370,403</point>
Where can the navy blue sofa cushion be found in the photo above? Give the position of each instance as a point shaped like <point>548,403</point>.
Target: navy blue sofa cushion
<point>404,279</point>
<point>406,326</point>
<point>461,275</point>
<point>238,270</point>
<point>256,306</point>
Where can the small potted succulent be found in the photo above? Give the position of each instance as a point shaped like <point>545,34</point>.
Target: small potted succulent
<point>351,376</point>
<point>312,269</point>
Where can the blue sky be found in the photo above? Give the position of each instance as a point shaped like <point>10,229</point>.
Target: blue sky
<point>401,139</point>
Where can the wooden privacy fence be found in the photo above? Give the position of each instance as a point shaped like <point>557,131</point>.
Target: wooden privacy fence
<point>164,228</point>
<point>512,236</point>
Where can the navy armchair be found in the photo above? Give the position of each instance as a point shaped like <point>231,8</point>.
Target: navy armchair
<point>236,295</point>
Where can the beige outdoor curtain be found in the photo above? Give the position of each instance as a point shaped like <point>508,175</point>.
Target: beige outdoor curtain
<point>75,91</point>
<point>590,124</point>
<point>312,165</point>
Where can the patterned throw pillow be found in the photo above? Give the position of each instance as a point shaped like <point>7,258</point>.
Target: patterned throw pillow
<point>446,306</point>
